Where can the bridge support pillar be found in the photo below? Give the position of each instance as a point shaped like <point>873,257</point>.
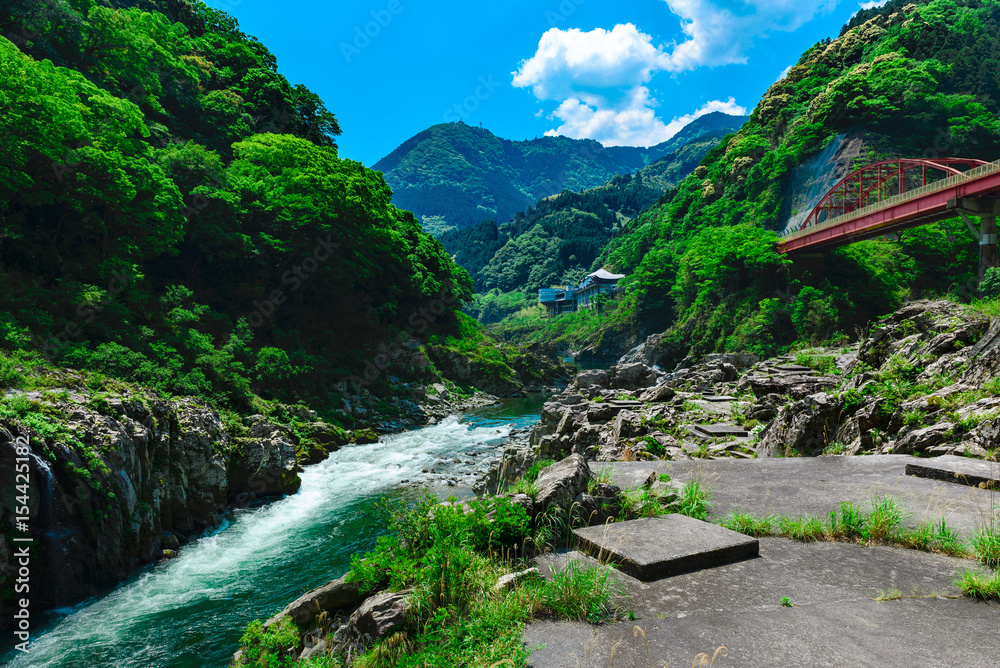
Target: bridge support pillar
<point>989,209</point>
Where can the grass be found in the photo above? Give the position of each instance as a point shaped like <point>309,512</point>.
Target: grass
<point>451,562</point>
<point>979,586</point>
<point>879,521</point>
<point>579,592</point>
<point>693,500</point>
<point>786,602</point>
<point>986,546</point>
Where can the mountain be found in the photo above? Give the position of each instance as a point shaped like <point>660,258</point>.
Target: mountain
<point>456,175</point>
<point>903,80</point>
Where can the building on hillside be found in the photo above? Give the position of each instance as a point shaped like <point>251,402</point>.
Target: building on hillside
<point>584,296</point>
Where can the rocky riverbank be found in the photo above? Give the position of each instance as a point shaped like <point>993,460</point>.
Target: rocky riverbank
<point>121,476</point>
<point>923,381</point>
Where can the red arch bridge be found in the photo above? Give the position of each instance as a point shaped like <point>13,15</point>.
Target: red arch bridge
<point>895,195</point>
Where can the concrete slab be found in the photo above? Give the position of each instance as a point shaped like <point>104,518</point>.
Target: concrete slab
<point>625,403</point>
<point>659,547</point>
<point>720,430</point>
<point>834,620</point>
<point>816,485</point>
<point>716,398</point>
<point>793,367</point>
<point>959,470</point>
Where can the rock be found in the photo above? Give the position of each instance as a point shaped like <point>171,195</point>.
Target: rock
<point>918,439</point>
<point>525,502</point>
<point>377,617</point>
<point>591,378</point>
<point>627,424</point>
<point>766,407</point>
<point>631,376</point>
<point>590,510</point>
<point>805,427</point>
<point>515,460</point>
<point>796,385</point>
<point>264,464</point>
<point>658,393</point>
<point>559,484</point>
<point>509,581</point>
<point>363,436</point>
<point>331,597</point>
<point>922,328</point>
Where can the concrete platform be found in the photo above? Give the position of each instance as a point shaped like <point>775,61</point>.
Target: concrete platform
<point>834,620</point>
<point>796,368</point>
<point>720,430</point>
<point>718,398</point>
<point>659,547</point>
<point>816,485</point>
<point>959,470</point>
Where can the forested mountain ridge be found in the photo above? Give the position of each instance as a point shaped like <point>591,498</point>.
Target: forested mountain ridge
<point>456,175</point>
<point>516,255</point>
<point>909,80</point>
<point>173,212</point>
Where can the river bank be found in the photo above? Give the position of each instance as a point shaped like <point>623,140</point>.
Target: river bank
<point>190,611</point>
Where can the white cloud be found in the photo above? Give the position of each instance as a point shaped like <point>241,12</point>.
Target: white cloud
<point>568,61</point>
<point>872,4</point>
<point>599,80</point>
<point>719,33</point>
<point>632,123</point>
<point>784,72</point>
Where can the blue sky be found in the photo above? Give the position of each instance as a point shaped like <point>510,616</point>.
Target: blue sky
<point>624,72</point>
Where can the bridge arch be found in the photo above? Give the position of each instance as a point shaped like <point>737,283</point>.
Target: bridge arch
<point>879,180</point>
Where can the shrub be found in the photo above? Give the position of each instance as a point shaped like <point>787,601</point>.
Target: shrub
<point>268,647</point>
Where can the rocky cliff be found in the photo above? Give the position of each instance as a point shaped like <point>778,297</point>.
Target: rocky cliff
<point>120,480</point>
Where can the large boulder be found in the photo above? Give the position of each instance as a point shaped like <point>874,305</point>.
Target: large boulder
<point>559,484</point>
<point>805,427</point>
<point>631,376</point>
<point>794,384</point>
<point>334,596</point>
<point>923,331</point>
<point>512,464</point>
<point>264,464</point>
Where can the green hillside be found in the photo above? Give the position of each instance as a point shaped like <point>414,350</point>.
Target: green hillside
<point>908,80</point>
<point>456,175</point>
<point>174,212</point>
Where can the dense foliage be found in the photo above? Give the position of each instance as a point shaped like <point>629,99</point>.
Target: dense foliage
<point>906,81</point>
<point>559,240</point>
<point>174,212</point>
<point>455,175</point>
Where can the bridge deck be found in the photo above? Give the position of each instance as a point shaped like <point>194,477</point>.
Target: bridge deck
<point>894,214</point>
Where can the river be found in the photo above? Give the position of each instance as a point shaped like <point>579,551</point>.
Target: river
<point>191,611</point>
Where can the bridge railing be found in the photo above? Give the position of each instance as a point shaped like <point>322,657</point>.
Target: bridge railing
<point>888,202</point>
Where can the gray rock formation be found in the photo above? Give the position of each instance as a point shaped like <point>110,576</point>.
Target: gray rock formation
<point>560,483</point>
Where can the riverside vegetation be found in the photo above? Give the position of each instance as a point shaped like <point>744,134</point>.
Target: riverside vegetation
<point>199,295</point>
<point>193,276</point>
<point>908,79</point>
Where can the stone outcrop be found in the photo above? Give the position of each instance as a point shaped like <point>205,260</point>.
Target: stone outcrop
<point>559,484</point>
<point>805,427</point>
<point>133,475</point>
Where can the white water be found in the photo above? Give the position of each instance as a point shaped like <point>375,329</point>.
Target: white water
<point>190,611</point>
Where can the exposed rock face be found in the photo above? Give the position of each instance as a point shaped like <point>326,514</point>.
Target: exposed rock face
<point>375,619</point>
<point>805,427</point>
<point>332,597</point>
<point>560,483</point>
<point>513,462</point>
<point>143,475</point>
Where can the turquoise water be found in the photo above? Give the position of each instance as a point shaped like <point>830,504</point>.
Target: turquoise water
<point>190,611</point>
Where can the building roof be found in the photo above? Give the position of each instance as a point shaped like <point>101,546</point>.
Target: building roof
<point>600,273</point>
